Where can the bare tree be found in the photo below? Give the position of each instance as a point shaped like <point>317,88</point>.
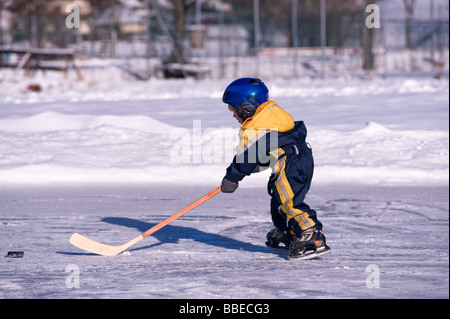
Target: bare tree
<point>368,41</point>
<point>409,13</point>
<point>180,20</point>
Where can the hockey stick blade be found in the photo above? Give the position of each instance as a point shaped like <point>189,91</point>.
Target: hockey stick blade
<point>108,250</point>
<point>101,249</point>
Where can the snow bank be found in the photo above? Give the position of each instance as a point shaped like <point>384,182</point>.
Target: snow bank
<point>377,155</point>
<point>110,129</point>
<point>51,148</point>
<point>52,121</point>
<point>111,83</point>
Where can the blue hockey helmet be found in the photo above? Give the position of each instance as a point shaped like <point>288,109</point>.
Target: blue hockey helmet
<point>245,95</point>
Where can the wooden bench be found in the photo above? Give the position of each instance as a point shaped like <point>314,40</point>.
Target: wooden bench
<point>38,59</point>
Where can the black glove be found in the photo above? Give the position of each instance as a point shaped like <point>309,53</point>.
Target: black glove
<point>228,186</point>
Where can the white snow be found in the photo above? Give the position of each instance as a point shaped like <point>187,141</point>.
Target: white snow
<point>385,132</point>
<point>109,157</point>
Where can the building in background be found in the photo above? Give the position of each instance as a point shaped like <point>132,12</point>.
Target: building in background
<point>239,37</point>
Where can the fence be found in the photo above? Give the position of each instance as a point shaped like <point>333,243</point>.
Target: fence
<point>242,38</point>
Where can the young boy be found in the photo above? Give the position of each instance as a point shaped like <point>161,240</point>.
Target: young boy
<point>270,137</point>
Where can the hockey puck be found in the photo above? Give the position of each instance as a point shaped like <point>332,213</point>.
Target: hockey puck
<point>15,254</point>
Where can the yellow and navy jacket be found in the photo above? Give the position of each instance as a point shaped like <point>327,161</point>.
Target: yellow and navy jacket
<point>263,138</point>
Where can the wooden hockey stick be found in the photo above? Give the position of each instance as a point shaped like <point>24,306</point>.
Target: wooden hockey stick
<point>108,250</point>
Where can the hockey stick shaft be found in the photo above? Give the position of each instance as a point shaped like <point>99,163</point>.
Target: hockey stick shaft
<point>181,212</point>
<point>108,250</point>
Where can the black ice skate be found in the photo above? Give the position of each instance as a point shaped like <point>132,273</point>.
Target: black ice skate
<point>311,244</point>
<point>276,237</point>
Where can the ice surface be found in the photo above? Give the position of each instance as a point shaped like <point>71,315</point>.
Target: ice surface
<point>217,250</point>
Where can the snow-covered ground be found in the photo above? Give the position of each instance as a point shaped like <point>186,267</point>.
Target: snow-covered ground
<point>392,131</point>
<point>109,157</point>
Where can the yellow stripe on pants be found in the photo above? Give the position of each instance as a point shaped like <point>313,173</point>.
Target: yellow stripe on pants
<point>287,198</point>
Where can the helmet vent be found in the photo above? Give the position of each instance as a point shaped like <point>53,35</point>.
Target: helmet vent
<point>255,81</point>
<point>253,100</point>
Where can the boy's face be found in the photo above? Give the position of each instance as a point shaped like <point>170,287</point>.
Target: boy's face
<point>235,114</point>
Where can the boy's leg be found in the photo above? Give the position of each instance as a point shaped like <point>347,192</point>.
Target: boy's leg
<point>279,219</point>
<point>302,221</point>
<point>291,186</point>
<point>279,234</point>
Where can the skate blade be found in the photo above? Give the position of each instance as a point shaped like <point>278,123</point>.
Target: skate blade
<point>322,252</point>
